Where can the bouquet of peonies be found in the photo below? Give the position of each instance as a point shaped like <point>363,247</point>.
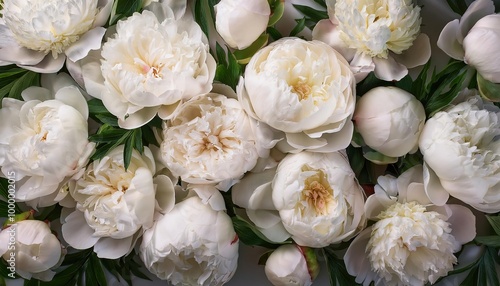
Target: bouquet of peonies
<point>149,139</point>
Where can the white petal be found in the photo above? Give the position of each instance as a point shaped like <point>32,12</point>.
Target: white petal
<point>138,118</point>
<point>104,12</point>
<point>254,191</point>
<point>463,223</point>
<point>89,41</point>
<point>77,232</point>
<point>110,248</point>
<point>72,96</point>
<point>165,193</point>
<point>448,40</point>
<point>36,93</point>
<point>477,10</point>
<point>418,54</point>
<point>388,69</point>
<point>356,259</point>
<point>47,65</point>
<point>433,188</point>
<point>328,33</point>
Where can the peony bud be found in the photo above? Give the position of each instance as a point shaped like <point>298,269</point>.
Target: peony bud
<point>241,22</point>
<point>390,120</point>
<point>292,265</point>
<point>481,47</point>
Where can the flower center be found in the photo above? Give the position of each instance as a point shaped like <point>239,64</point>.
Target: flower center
<point>409,243</point>
<point>375,27</point>
<point>302,90</point>
<point>49,25</point>
<point>317,195</point>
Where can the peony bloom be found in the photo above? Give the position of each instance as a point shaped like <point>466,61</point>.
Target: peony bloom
<point>412,242</point>
<point>318,198</point>
<point>390,120</point>
<point>37,250</point>
<point>39,35</point>
<point>461,149</point>
<point>149,67</point>
<point>114,204</point>
<point>191,245</point>
<point>475,39</point>
<point>241,22</point>
<point>376,35</point>
<point>304,89</point>
<point>211,140</point>
<point>288,265</point>
<point>43,140</point>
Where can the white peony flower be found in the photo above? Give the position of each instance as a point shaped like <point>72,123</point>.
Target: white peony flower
<point>43,140</point>
<point>304,89</point>
<point>191,245</point>
<point>114,204</point>
<point>288,265</point>
<point>318,198</point>
<point>461,148</point>
<point>412,241</point>
<point>475,39</point>
<point>390,120</point>
<point>241,22</point>
<point>149,67</point>
<point>34,252</point>
<point>376,35</point>
<point>211,140</point>
<point>39,35</point>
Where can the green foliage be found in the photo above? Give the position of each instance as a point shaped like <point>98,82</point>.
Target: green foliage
<point>14,80</point>
<point>204,14</point>
<point>250,235</point>
<point>458,6</point>
<point>109,136</point>
<point>312,16</point>
<point>337,269</point>
<point>244,56</point>
<point>483,271</point>
<point>123,9</point>
<point>228,69</point>
<point>301,24</point>
<point>277,10</point>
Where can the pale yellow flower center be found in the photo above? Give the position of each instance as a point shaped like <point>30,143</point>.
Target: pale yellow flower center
<point>317,194</point>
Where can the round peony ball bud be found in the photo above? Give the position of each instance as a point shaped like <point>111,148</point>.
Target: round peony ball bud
<point>292,265</point>
<point>30,248</point>
<point>481,47</point>
<point>390,120</point>
<point>241,22</point>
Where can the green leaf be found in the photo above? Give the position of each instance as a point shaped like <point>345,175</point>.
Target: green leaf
<point>250,235</point>
<point>263,258</point>
<point>488,89</point>
<point>108,136</point>
<point>419,86</point>
<point>203,14</point>
<point>487,273</point>
<point>137,140</point>
<point>495,223</point>
<point>489,240</point>
<point>378,158</point>
<point>127,152</point>
<point>274,33</point>
<point>301,24</point>
<point>244,56</point>
<point>322,3</point>
<point>124,8</point>
<point>311,13</point>
<point>337,269</point>
<point>107,119</point>
<point>277,10</point>
<point>96,107</point>
<point>221,54</point>
<point>458,6</point>
<point>28,79</point>
<point>96,266</point>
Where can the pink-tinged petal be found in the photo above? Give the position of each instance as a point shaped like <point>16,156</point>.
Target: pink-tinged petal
<point>328,33</point>
<point>388,69</point>
<point>47,65</point>
<point>110,248</point>
<point>433,188</point>
<point>448,40</point>
<point>418,54</point>
<point>77,233</point>
<point>477,10</point>
<point>89,41</point>
<point>463,223</point>
<point>103,15</point>
<point>72,96</point>
<point>138,119</point>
